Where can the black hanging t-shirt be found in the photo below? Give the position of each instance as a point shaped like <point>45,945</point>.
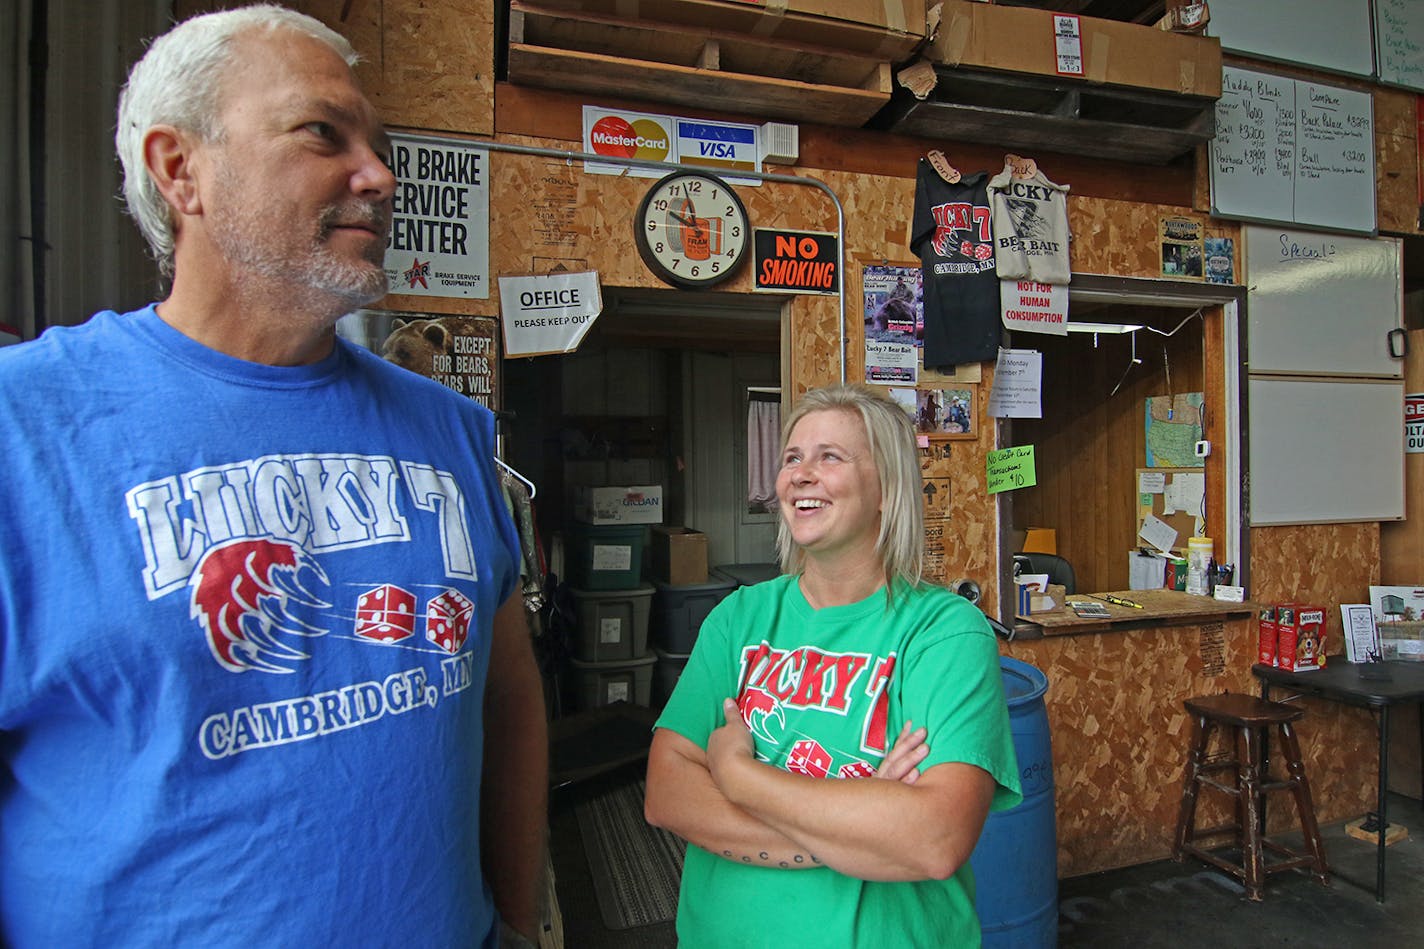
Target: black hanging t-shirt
<point>952,236</point>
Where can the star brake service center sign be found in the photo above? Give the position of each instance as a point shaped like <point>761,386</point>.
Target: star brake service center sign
<point>439,241</point>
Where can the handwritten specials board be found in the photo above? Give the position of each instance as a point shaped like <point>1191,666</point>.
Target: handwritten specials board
<point>1293,152</point>
<point>1399,42</point>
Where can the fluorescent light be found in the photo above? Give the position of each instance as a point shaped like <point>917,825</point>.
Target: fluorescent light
<point>1102,327</point>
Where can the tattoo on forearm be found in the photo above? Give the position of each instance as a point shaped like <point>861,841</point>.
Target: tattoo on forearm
<point>763,858</point>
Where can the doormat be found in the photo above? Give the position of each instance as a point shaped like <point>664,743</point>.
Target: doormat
<point>636,867</point>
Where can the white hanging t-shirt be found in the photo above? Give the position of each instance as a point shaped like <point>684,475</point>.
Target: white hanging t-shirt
<point>1030,228</point>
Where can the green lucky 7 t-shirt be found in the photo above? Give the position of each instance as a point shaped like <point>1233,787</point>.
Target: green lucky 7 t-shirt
<point>826,692</point>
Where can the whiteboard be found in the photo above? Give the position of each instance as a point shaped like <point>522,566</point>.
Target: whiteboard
<point>1322,304</point>
<point>1325,34</point>
<point>1325,451</point>
<point>1399,42</point>
<point>1293,151</point>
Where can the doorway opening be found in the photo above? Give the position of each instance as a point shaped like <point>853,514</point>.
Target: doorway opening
<point>659,392</point>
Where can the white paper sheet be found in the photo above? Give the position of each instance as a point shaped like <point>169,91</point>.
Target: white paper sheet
<point>1158,533</point>
<point>1361,636</point>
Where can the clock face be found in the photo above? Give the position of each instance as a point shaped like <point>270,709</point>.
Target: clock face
<point>691,230</point>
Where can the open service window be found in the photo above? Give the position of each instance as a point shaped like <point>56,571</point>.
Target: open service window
<point>1142,408</point>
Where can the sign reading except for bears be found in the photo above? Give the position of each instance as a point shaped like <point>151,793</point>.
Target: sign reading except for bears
<point>797,261</point>
<point>460,352</point>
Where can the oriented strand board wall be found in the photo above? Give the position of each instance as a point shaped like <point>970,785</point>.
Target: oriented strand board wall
<point>1320,564</point>
<point>1120,734</point>
<point>425,64</point>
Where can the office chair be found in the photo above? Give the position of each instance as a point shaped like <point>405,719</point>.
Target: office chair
<point>1058,569</point>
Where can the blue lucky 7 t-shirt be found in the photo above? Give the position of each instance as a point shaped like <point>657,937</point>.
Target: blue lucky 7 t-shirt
<point>244,635</point>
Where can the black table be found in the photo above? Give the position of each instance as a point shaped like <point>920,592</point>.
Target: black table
<point>1373,685</point>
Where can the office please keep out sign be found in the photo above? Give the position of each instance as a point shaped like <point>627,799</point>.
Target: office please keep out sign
<point>549,313</point>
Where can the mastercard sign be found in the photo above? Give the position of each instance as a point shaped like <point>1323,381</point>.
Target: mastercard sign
<point>621,134</point>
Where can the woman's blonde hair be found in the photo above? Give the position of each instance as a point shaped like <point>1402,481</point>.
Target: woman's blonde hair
<point>891,435</point>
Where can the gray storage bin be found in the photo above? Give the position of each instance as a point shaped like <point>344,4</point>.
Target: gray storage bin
<point>596,684</point>
<point>612,624</point>
<point>678,611</point>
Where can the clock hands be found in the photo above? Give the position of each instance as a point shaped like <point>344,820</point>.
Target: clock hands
<point>691,220</point>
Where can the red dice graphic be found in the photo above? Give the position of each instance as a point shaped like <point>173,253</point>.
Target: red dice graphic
<point>856,769</point>
<point>385,614</point>
<point>447,620</point>
<point>809,758</point>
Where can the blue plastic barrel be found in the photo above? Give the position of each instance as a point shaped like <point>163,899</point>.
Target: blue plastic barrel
<point>1016,860</point>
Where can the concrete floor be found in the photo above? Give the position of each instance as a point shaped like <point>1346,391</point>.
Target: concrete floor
<point>1163,904</point>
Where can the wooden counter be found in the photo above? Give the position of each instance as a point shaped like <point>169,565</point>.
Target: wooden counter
<point>1119,730</point>
<point>1159,608</point>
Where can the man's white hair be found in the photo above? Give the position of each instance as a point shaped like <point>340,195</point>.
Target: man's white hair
<point>177,83</point>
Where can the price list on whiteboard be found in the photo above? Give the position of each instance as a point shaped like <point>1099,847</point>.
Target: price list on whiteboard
<point>1294,152</point>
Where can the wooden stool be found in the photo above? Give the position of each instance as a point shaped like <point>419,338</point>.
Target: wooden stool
<point>1245,719</point>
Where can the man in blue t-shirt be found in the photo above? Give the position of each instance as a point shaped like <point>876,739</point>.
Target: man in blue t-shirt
<point>265,674</point>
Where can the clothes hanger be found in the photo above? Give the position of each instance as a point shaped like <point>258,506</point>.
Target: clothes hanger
<point>941,164</point>
<point>1024,168</point>
<point>517,476</point>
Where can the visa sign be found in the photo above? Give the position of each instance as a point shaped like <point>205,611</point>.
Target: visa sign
<point>717,146</point>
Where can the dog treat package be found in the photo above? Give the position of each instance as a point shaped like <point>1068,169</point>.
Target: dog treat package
<point>1301,637</point>
<point>1267,636</point>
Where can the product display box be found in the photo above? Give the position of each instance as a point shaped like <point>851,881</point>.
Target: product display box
<point>619,504</point>
<point>1267,636</point>
<point>1300,631</point>
<point>1021,39</point>
<point>677,555</point>
<point>887,28</point>
<point>1032,599</point>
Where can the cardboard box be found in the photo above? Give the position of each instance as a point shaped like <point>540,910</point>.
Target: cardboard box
<point>890,29</point>
<point>1267,636</point>
<point>1021,39</point>
<point>678,555</point>
<point>619,504</point>
<point>1301,637</point>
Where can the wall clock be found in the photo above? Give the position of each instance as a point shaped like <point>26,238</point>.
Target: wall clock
<point>691,230</point>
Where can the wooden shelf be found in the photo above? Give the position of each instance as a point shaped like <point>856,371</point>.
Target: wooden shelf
<point>699,68</point>
<point>1021,112</point>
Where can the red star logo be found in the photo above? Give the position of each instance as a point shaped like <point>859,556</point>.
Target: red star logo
<point>417,273</point>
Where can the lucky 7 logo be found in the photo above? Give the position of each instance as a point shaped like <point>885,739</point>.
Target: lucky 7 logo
<point>775,680</point>
<point>958,226</point>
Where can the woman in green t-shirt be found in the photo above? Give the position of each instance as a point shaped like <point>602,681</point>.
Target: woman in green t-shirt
<point>848,666</point>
